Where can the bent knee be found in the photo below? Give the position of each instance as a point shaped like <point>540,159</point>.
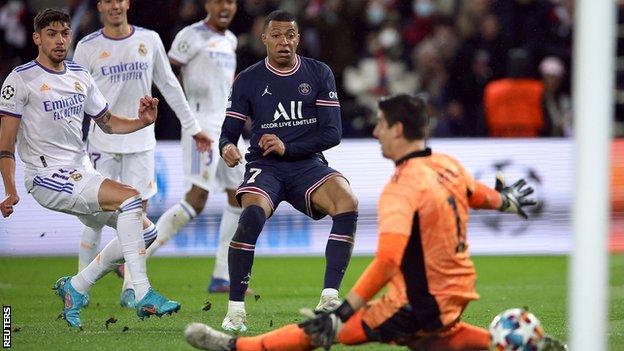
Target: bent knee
<point>197,198</point>
<point>346,202</point>
<point>127,192</point>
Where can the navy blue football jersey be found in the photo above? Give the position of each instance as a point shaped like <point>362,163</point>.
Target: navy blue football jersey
<point>300,106</point>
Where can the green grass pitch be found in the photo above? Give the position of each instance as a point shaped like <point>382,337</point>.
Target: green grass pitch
<point>283,284</point>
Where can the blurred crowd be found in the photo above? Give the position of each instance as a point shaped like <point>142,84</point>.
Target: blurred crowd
<point>487,67</point>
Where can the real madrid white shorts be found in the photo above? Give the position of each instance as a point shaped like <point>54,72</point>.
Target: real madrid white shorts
<point>207,170</point>
<point>67,189</point>
<point>134,169</point>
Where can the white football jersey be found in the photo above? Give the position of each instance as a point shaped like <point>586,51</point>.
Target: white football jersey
<point>51,106</point>
<point>209,64</point>
<point>124,70</point>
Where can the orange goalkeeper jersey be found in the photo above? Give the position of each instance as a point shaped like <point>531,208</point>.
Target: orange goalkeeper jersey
<point>423,252</point>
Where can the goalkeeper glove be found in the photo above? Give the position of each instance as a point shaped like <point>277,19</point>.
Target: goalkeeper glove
<point>514,197</point>
<point>323,328</point>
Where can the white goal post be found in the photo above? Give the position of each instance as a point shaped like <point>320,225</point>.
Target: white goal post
<point>593,94</point>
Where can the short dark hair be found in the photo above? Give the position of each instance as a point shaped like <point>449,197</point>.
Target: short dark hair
<point>408,109</point>
<point>279,16</point>
<point>47,16</point>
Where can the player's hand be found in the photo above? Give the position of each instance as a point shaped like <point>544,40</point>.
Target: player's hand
<point>271,143</point>
<point>231,155</point>
<point>202,141</point>
<point>6,206</point>
<point>148,110</point>
<point>322,328</point>
<point>514,197</point>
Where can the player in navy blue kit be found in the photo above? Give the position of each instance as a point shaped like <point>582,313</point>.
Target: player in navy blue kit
<point>295,115</point>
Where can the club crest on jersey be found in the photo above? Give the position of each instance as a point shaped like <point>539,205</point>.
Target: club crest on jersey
<point>78,88</point>
<point>304,89</point>
<point>76,176</point>
<point>8,92</point>
<point>142,50</point>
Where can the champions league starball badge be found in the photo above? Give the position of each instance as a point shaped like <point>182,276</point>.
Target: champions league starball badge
<point>8,92</point>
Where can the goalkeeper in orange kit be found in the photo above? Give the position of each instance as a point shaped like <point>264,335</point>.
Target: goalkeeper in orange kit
<point>422,255</point>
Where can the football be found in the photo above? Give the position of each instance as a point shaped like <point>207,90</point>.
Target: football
<point>515,329</point>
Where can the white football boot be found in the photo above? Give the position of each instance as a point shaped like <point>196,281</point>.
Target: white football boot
<point>329,301</point>
<point>235,320</point>
<point>203,337</point>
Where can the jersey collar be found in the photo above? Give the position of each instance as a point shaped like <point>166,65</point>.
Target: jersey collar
<point>422,153</point>
<point>283,73</point>
<point>51,71</point>
<point>212,29</point>
<point>132,30</point>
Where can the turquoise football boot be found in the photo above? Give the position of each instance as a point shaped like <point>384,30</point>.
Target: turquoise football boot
<point>73,301</point>
<point>155,304</point>
<point>127,298</point>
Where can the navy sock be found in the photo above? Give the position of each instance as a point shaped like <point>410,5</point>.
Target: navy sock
<point>241,252</point>
<point>339,247</point>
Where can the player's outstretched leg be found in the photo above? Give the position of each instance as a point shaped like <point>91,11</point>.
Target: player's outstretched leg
<point>129,232</point>
<point>290,338</point>
<point>73,301</point>
<point>171,222</point>
<point>74,291</point>
<point>220,280</point>
<point>127,298</point>
<point>337,256</point>
<point>89,246</point>
<point>335,198</point>
<point>240,261</point>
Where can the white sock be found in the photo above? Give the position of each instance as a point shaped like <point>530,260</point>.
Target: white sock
<point>329,292</point>
<point>149,234</point>
<point>102,264</point>
<point>170,223</point>
<point>89,246</point>
<point>236,306</point>
<point>130,234</point>
<point>227,228</point>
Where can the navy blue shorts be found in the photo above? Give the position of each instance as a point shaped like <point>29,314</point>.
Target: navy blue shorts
<point>292,182</point>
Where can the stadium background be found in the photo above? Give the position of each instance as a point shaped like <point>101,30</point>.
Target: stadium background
<point>449,49</point>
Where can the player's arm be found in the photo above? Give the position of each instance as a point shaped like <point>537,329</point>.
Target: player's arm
<point>484,197</point>
<point>176,67</point>
<point>112,124</point>
<point>13,97</point>
<point>238,111</point>
<point>396,217</point>
<point>510,199</point>
<point>8,134</point>
<point>231,131</point>
<point>170,88</point>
